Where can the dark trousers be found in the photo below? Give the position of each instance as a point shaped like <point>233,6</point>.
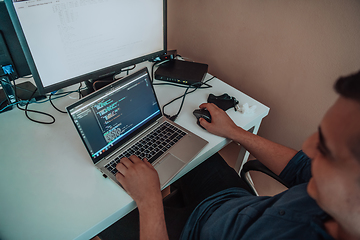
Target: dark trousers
<point>210,177</point>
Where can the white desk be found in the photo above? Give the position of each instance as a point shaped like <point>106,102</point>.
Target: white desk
<point>49,186</point>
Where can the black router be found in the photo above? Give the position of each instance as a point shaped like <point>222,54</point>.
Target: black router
<point>182,72</point>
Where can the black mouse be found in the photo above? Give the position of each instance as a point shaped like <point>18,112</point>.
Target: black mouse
<point>202,113</point>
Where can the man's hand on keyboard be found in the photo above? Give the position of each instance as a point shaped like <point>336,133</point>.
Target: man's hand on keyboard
<point>140,180</point>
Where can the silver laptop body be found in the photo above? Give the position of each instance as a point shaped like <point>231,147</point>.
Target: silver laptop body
<point>116,121</point>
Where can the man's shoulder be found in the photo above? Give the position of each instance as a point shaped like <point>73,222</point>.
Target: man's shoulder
<point>298,170</point>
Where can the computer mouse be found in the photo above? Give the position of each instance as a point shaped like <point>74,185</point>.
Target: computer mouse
<point>202,113</point>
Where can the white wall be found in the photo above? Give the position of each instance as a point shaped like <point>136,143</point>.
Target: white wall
<point>286,54</point>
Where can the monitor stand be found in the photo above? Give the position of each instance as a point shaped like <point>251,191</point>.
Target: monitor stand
<point>92,86</point>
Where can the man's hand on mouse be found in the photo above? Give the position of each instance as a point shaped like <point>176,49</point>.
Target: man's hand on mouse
<point>140,180</point>
<point>221,124</point>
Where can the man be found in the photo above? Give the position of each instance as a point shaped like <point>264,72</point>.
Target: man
<point>321,204</point>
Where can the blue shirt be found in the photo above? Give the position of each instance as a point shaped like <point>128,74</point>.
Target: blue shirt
<point>236,214</point>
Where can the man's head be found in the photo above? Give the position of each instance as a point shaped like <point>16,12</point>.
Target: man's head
<point>335,154</point>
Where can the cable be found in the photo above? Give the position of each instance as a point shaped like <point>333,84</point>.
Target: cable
<point>29,76</point>
<point>52,104</point>
<point>127,70</point>
<point>16,97</point>
<point>17,103</point>
<point>79,90</point>
<point>123,70</point>
<point>153,66</point>
<point>5,100</point>
<point>173,118</point>
<point>101,81</point>
<point>182,85</point>
<point>62,93</point>
<point>34,111</point>
<point>9,105</point>
<point>206,81</point>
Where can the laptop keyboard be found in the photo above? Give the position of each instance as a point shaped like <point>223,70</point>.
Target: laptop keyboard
<point>152,146</point>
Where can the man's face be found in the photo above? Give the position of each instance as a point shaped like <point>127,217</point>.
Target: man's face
<point>335,182</point>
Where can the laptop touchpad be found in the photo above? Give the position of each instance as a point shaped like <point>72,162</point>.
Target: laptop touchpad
<point>168,167</point>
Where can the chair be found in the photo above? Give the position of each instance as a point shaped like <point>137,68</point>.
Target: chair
<point>256,165</point>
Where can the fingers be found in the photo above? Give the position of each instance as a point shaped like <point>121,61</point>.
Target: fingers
<point>122,168</point>
<point>138,177</point>
<point>134,159</point>
<point>126,163</point>
<point>210,107</point>
<point>204,123</point>
<point>119,177</point>
<point>145,160</point>
<point>203,105</point>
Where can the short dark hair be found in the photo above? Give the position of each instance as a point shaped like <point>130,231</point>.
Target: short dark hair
<point>349,86</point>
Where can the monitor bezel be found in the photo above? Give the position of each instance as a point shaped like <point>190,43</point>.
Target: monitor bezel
<point>104,72</point>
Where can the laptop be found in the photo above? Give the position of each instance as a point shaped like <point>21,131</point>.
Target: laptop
<point>124,119</point>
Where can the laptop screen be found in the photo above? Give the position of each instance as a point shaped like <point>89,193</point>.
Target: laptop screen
<point>112,115</point>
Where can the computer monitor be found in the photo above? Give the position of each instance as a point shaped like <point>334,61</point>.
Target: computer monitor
<point>13,65</point>
<point>10,49</point>
<point>70,41</point>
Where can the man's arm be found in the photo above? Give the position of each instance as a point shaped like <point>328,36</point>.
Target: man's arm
<point>272,155</point>
<point>141,181</point>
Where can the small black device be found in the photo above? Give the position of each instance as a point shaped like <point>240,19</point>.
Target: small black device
<point>183,72</point>
<point>224,101</point>
<point>202,113</point>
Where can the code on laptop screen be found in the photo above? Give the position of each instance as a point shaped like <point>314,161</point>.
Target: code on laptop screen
<point>107,119</point>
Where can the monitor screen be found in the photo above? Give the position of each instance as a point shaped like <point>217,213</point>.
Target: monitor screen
<point>69,41</point>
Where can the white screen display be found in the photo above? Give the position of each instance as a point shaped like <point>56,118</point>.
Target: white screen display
<point>70,38</point>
